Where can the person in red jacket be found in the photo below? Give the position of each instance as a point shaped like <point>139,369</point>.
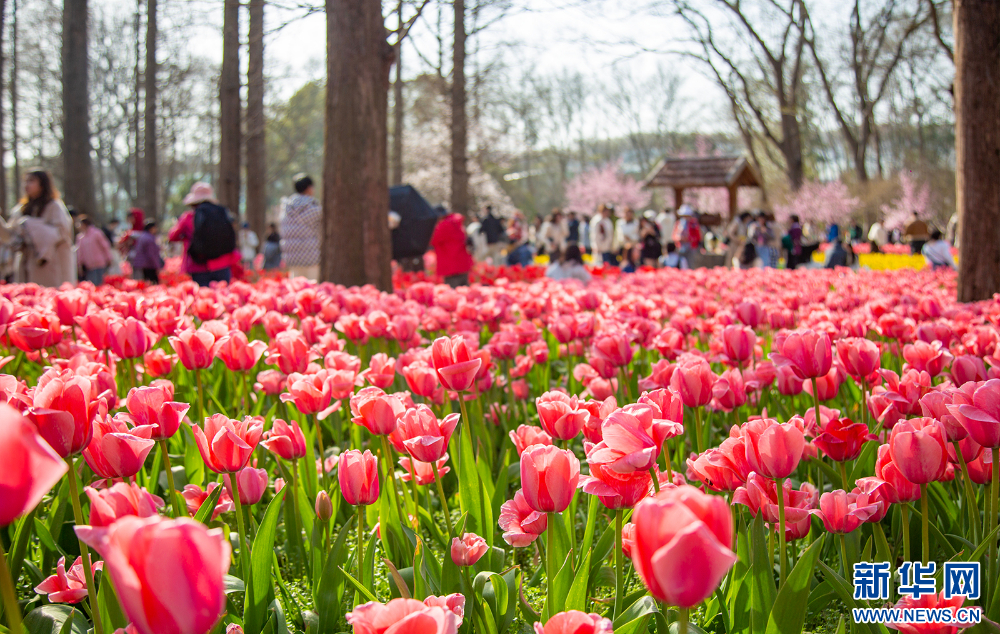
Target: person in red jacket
<point>453,259</point>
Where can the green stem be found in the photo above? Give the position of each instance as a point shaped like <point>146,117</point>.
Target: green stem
<point>782,547</point>
<point>970,496</point>
<point>619,563</point>
<point>550,563</point>
<point>843,557</point>
<point>444,506</point>
<point>697,429</point>
<point>11,607</point>
<point>179,510</point>
<point>924,525</point>
<point>361,545</point>
<point>322,452</point>
<point>864,401</point>
<point>994,495</point>
<point>244,550</point>
<point>816,404</point>
<point>624,379</point>
<point>843,475</point>
<point>682,621</point>
<point>656,480</point>
<point>905,510</point>
<point>88,571</point>
<point>201,396</point>
<point>297,545</point>
<point>390,473</point>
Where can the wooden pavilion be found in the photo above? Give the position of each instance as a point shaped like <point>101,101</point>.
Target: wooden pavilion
<point>731,172</point>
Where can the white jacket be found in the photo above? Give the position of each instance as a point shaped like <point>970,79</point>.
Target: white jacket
<point>602,234</point>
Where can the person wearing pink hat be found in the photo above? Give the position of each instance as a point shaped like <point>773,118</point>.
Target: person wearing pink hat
<point>209,239</point>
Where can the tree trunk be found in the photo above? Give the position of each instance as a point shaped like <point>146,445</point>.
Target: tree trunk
<point>16,175</point>
<point>459,131</point>
<point>151,203</point>
<point>78,180</point>
<point>977,146</point>
<point>137,165</point>
<point>356,245</point>
<point>398,108</point>
<point>228,190</point>
<point>791,148</point>
<point>3,168</point>
<point>256,165</point>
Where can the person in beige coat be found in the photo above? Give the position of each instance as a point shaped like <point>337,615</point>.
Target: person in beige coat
<point>40,232</point>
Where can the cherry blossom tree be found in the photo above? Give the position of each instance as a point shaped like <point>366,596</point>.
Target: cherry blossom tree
<point>592,188</point>
<point>913,198</point>
<point>829,203</point>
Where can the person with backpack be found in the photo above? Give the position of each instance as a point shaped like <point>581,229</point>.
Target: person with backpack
<point>206,230</point>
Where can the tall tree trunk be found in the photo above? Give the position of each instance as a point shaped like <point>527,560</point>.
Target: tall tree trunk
<point>459,128</point>
<point>3,167</point>
<point>256,165</point>
<point>791,148</point>
<point>977,146</point>
<point>150,158</point>
<point>137,165</point>
<point>78,180</point>
<point>16,175</point>
<point>228,190</point>
<point>398,107</point>
<point>356,246</point>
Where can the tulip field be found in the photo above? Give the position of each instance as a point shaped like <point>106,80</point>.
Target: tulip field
<point>671,452</point>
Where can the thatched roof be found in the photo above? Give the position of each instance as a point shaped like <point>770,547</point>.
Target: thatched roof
<point>711,171</point>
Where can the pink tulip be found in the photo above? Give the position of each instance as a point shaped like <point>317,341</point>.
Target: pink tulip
<point>981,418</point>
<point>633,438</point>
<point>423,436</point>
<point>760,495</point>
<point>63,410</point>
<point>842,439</point>
<point>422,379</point>
<point>526,435</point>
<point>927,357</point>
<point>381,370</point>
<point>773,449</point>
<point>251,484</point>
<point>887,470</point>
<point>195,348</point>
<point>560,415</point>
<point>237,352</point>
<point>549,477</point>
<point>939,605</point>
<point>729,391</point>
<point>750,313</point>
<point>30,466</point>
<point>284,441</point>
<point>423,472</point>
<point>468,550</point>
<point>226,445</point>
<point>616,490</point>
<point>358,476</point>
<point>33,331</point>
<point>130,338</point>
<point>290,352</point>
<point>693,380</point>
<point>967,368</point>
<point>95,327</point>
<point>115,450</point>
<point>194,496</point>
<point>917,447</point>
<point>614,348</point>
<point>722,469</point>
<point>376,411</point>
<point>841,514</point>
<point>738,343</point>
<point>575,622</point>
<point>861,357</point>
<point>311,393</point>
<point>121,500</point>
<point>435,615</point>
<point>454,363</point>
<point>67,586</point>
<point>872,491</point>
<point>827,385</point>
<point>520,523</point>
<point>154,406</point>
<point>808,353</point>
<point>168,573</point>
<point>675,529</point>
<point>158,363</point>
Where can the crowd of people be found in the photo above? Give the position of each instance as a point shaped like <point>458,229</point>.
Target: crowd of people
<point>46,243</point>
<point>678,239</point>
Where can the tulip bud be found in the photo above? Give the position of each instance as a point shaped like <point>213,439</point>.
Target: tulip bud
<point>468,550</point>
<point>324,507</point>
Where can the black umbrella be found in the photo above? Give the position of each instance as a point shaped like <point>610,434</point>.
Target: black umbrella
<point>417,219</point>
